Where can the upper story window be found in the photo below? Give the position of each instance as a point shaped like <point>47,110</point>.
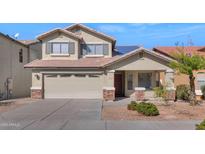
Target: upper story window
<point>94,49</point>
<point>60,48</point>
<point>21,56</point>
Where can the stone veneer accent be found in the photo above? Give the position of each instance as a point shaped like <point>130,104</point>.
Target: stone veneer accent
<point>36,93</point>
<point>139,93</point>
<point>109,93</point>
<point>170,95</point>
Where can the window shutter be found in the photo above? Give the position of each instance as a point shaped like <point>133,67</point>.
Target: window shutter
<point>48,47</point>
<point>105,49</point>
<point>83,49</point>
<point>71,47</point>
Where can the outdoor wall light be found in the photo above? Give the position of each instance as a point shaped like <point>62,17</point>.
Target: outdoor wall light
<point>37,76</point>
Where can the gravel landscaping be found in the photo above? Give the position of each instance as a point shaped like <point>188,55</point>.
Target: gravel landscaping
<point>173,111</point>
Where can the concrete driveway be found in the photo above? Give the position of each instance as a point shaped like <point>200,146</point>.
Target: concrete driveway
<point>76,114</point>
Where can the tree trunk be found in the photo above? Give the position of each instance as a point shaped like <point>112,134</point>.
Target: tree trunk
<point>192,86</point>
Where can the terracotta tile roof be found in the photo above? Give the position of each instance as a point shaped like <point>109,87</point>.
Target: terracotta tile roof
<point>90,62</point>
<point>80,63</point>
<point>170,50</point>
<point>29,42</point>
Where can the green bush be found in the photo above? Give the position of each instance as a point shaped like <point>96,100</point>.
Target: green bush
<point>183,92</point>
<point>201,126</point>
<point>148,109</point>
<point>132,106</point>
<point>203,91</point>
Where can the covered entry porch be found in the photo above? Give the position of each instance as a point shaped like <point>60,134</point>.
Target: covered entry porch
<point>139,71</point>
<point>126,82</point>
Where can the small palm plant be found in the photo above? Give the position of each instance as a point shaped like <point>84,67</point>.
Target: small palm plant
<point>187,64</point>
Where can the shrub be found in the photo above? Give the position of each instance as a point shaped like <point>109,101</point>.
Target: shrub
<point>148,109</point>
<point>183,92</point>
<point>203,91</point>
<point>132,106</point>
<point>201,126</point>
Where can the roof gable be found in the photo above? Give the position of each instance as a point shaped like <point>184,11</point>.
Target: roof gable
<point>58,30</point>
<point>69,28</point>
<point>134,52</point>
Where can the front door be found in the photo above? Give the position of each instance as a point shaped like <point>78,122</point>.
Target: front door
<point>119,84</point>
<point>144,80</point>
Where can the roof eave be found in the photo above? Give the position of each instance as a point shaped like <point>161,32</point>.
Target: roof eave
<point>14,40</point>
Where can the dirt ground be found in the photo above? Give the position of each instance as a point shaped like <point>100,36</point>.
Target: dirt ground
<point>7,105</point>
<point>173,111</point>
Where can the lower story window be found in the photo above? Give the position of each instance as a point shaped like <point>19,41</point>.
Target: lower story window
<point>130,82</point>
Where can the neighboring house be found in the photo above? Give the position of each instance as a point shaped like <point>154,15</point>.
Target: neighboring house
<point>79,62</point>
<point>182,78</point>
<point>15,81</point>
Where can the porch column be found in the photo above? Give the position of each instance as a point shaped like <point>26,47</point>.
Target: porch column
<point>139,93</point>
<point>109,89</point>
<point>169,83</point>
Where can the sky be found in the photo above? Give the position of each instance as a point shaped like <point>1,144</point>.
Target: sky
<point>148,35</point>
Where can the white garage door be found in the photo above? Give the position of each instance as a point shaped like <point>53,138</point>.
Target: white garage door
<point>73,86</point>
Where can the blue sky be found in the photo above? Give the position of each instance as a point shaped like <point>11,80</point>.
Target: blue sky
<point>147,35</point>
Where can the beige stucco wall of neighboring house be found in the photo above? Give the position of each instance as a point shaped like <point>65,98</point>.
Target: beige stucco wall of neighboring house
<point>145,63</point>
<point>180,79</point>
<point>60,37</point>
<point>92,38</point>
<point>10,67</point>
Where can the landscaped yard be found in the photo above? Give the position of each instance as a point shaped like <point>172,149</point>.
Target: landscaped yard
<point>174,111</point>
<point>7,105</point>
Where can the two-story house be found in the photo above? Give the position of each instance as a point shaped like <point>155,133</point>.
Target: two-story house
<point>79,62</point>
<point>15,81</point>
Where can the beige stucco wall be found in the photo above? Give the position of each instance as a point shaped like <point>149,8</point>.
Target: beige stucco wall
<point>91,38</point>
<point>37,79</point>
<point>142,64</point>
<point>35,51</point>
<point>11,68</point>
<point>60,37</point>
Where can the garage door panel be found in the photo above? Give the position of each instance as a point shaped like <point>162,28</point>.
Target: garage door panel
<point>73,86</point>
